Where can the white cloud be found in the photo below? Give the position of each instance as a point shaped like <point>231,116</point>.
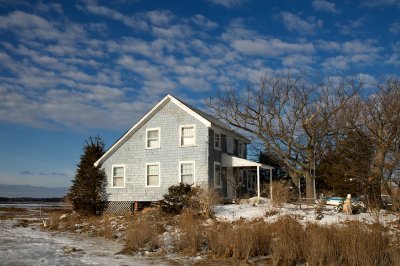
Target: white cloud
<point>294,23</point>
<point>228,3</point>
<point>204,22</point>
<point>395,28</point>
<point>270,47</point>
<point>381,3</point>
<point>322,5</point>
<point>351,27</point>
<point>368,80</point>
<point>128,20</point>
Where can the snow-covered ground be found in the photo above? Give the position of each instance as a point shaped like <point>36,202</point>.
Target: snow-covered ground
<point>32,246</point>
<point>305,214</point>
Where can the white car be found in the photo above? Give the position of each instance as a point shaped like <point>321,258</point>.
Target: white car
<point>334,201</point>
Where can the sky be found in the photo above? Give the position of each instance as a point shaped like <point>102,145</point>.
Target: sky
<point>74,69</point>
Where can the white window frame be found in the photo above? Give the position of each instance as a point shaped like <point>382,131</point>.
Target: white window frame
<point>180,170</point>
<point>180,135</point>
<point>112,174</point>
<point>220,140</point>
<point>159,138</point>
<point>146,174</point>
<point>220,175</point>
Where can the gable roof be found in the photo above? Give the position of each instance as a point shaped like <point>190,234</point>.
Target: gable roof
<point>203,117</point>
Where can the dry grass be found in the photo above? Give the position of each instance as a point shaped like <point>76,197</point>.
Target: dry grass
<point>144,231</point>
<point>12,209</point>
<point>289,240</point>
<point>205,199</point>
<point>280,193</point>
<point>190,239</point>
<point>240,241</point>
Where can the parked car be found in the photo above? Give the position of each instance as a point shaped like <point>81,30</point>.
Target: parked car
<point>334,201</point>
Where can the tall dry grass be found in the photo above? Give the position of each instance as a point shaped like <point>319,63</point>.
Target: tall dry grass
<point>144,231</point>
<point>288,244</point>
<point>190,239</point>
<point>280,193</point>
<point>240,241</point>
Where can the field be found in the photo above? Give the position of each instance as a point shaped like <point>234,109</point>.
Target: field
<point>237,234</point>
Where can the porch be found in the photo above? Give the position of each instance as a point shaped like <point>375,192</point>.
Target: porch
<point>242,173</point>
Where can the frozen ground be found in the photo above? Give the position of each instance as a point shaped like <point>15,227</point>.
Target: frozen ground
<point>32,246</point>
<point>304,214</point>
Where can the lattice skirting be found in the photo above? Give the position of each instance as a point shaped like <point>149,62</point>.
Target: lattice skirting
<point>119,207</point>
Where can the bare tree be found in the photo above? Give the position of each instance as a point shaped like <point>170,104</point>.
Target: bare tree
<point>379,118</point>
<point>290,116</point>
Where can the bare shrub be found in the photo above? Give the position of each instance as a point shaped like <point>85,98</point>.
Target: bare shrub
<point>322,246</point>
<point>204,199</point>
<point>219,239</point>
<point>280,193</point>
<point>190,238</point>
<point>240,241</point>
<point>144,232</point>
<point>288,245</point>
<point>363,244</point>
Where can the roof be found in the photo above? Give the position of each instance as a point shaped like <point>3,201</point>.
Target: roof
<point>203,117</point>
<point>233,161</point>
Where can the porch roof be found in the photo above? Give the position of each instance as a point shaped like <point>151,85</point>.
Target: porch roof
<point>228,160</point>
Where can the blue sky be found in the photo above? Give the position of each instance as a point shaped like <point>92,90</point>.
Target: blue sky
<point>72,69</point>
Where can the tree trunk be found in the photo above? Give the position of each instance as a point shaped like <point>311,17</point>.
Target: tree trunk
<point>374,181</point>
<point>309,187</point>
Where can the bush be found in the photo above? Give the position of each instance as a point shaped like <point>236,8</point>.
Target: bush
<point>178,198</point>
<point>184,196</point>
<point>280,193</point>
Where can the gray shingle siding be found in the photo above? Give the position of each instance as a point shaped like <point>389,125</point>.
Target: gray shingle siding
<point>134,156</point>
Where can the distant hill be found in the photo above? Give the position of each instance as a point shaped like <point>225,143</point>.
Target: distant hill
<point>25,191</point>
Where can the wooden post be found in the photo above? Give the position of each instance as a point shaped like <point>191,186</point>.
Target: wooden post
<point>258,184</point>
<point>270,183</point>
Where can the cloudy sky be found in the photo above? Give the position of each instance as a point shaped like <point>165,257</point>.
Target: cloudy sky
<point>72,69</point>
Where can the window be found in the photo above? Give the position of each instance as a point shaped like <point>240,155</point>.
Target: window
<point>217,141</point>
<point>153,175</point>
<point>187,135</point>
<point>241,149</point>
<point>118,176</point>
<point>186,170</point>
<point>229,145</point>
<point>217,175</point>
<point>152,138</point>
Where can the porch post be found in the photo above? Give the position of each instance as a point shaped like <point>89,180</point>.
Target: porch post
<point>258,184</point>
<point>270,183</point>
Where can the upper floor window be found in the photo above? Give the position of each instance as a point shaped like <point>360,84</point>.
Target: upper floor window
<point>217,141</point>
<point>186,172</point>
<point>153,174</point>
<point>118,175</point>
<point>152,138</point>
<point>187,135</point>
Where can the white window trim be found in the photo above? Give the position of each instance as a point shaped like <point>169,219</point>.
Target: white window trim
<point>180,135</point>
<point>159,138</point>
<point>220,175</point>
<point>220,140</point>
<point>194,170</point>
<point>159,174</point>
<point>112,174</point>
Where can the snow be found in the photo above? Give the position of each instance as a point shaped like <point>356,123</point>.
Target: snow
<point>32,246</point>
<point>305,214</point>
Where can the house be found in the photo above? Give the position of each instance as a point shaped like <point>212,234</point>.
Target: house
<point>175,143</point>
